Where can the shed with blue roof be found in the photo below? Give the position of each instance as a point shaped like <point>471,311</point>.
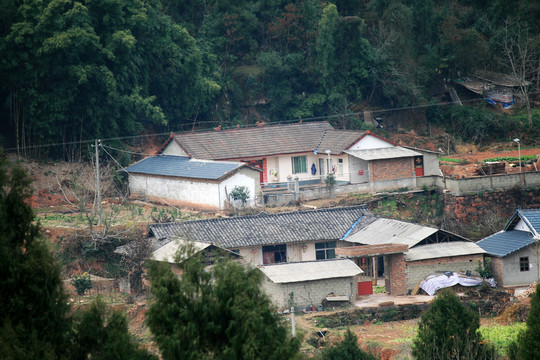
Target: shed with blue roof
<point>196,183</point>
<point>515,250</point>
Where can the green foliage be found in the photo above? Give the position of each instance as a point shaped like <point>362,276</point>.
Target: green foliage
<point>215,313</point>
<point>330,180</point>
<point>485,269</point>
<point>502,336</point>
<point>528,346</point>
<point>240,193</point>
<point>448,330</point>
<point>458,161</point>
<point>347,349</point>
<point>81,282</point>
<point>34,323</point>
<point>102,335</point>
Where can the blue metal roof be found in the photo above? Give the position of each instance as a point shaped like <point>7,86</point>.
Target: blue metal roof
<point>181,166</point>
<point>533,217</point>
<point>505,243</point>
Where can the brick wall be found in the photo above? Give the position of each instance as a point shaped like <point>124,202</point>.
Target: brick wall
<point>395,269</point>
<point>496,267</point>
<point>391,169</point>
<point>418,270</point>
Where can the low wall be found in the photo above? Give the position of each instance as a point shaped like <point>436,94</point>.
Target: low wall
<point>492,183</point>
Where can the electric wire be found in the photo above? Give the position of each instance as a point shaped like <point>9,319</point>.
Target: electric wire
<point>386,110</point>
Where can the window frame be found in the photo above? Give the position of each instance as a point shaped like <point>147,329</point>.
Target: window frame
<point>302,164</point>
<point>325,250</point>
<point>524,264</point>
<point>279,251</point>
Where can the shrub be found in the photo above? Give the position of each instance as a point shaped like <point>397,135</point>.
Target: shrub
<point>529,340</point>
<point>449,330</point>
<point>82,283</point>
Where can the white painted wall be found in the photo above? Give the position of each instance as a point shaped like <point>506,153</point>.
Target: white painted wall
<point>355,166</point>
<point>511,271</point>
<point>522,226</point>
<point>178,189</point>
<point>283,165</point>
<point>371,142</point>
<point>244,177</point>
<point>173,148</point>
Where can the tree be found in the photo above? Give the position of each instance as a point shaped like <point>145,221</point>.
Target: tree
<point>448,330</point>
<point>34,322</point>
<point>100,334</point>
<point>347,349</point>
<point>529,340</point>
<point>215,313</point>
<point>240,193</point>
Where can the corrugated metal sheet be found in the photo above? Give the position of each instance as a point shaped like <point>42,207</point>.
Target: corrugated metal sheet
<point>180,166</point>
<point>387,231</point>
<point>505,243</point>
<point>168,252</point>
<point>444,249</point>
<point>266,229</point>
<point>309,271</point>
<point>382,153</point>
<point>533,217</point>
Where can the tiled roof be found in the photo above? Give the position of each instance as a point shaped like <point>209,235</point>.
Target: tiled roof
<point>338,140</point>
<point>505,243</point>
<point>533,217</point>
<point>253,142</point>
<point>267,140</point>
<point>310,270</point>
<point>265,229</point>
<point>180,166</point>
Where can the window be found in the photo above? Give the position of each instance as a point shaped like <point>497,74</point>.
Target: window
<point>325,250</point>
<point>299,164</point>
<point>340,166</point>
<point>274,254</point>
<point>524,263</point>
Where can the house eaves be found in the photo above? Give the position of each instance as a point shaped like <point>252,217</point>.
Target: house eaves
<point>310,270</point>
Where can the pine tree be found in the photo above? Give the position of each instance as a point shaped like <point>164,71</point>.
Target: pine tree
<point>215,313</point>
<point>529,340</point>
<point>34,321</point>
<point>448,330</point>
<point>347,349</point>
<point>100,335</point>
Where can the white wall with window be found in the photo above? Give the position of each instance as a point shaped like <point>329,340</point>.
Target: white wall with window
<point>521,267</point>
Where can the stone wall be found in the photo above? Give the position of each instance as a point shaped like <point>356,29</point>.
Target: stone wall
<point>470,208</point>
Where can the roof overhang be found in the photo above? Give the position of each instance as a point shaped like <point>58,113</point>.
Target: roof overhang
<point>372,250</point>
<point>383,153</point>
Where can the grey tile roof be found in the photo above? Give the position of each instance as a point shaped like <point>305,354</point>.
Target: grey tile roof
<point>265,229</point>
<point>383,153</point>
<point>253,142</point>
<point>267,140</point>
<point>505,243</point>
<point>310,270</point>
<point>180,166</point>
<point>338,140</point>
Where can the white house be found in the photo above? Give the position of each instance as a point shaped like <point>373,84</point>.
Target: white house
<point>309,151</point>
<point>191,182</point>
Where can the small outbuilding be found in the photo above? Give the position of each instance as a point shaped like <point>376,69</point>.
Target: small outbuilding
<point>515,250</point>
<point>310,282</point>
<point>190,182</point>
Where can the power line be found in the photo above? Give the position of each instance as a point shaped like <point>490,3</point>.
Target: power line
<point>215,121</point>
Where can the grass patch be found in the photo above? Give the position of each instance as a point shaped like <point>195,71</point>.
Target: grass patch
<point>379,289</point>
<point>451,160</point>
<point>511,158</point>
<point>501,336</point>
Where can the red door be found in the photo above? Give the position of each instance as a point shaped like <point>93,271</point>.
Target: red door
<point>419,165</point>
<point>365,288</point>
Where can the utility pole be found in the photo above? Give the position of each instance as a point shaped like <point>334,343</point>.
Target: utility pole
<point>293,325</point>
<point>98,181</point>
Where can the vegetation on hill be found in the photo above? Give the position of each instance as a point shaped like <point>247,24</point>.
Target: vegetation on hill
<point>76,70</point>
